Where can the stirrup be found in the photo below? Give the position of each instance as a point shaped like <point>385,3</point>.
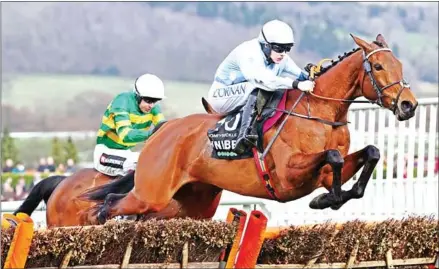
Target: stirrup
<point>251,136</point>
<point>243,144</point>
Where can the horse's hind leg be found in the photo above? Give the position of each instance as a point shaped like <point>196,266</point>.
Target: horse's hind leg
<point>194,200</point>
<point>367,157</point>
<point>120,204</point>
<point>198,200</point>
<point>110,200</point>
<point>148,195</point>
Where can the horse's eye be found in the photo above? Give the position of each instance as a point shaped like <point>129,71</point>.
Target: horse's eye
<point>378,67</point>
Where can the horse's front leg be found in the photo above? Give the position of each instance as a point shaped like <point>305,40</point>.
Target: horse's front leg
<point>367,157</point>
<point>335,195</point>
<point>304,167</point>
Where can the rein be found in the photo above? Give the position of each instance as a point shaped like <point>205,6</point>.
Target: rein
<point>309,117</point>
<point>341,100</point>
<point>281,125</point>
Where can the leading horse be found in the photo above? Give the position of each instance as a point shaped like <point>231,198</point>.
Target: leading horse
<point>307,155</point>
<point>177,177</point>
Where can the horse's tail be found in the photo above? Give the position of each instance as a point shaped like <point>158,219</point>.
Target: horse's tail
<point>41,191</point>
<point>120,186</point>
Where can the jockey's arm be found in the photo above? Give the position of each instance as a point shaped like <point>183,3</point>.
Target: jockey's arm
<point>253,69</point>
<point>157,115</point>
<point>126,131</point>
<point>291,68</point>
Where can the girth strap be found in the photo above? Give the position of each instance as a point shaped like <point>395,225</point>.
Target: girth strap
<point>265,175</point>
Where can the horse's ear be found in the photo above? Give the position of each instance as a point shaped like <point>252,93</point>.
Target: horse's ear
<point>380,38</point>
<point>361,43</point>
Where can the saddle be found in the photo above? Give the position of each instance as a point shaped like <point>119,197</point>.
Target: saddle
<point>223,136</point>
<point>99,174</point>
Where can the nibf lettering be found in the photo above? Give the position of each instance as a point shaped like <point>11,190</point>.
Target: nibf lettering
<point>224,144</point>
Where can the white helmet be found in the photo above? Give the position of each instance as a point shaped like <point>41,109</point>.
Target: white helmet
<point>276,31</point>
<point>149,85</point>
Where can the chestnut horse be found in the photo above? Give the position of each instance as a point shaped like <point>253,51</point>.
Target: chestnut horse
<point>307,155</point>
<point>177,177</point>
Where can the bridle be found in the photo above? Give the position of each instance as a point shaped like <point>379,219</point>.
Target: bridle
<point>368,70</point>
<point>379,90</point>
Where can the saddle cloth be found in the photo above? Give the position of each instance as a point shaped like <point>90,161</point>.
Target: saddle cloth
<point>224,135</point>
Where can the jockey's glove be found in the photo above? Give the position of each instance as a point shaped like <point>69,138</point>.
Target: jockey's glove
<point>305,86</point>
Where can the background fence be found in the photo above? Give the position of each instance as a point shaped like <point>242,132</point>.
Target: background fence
<point>405,181</point>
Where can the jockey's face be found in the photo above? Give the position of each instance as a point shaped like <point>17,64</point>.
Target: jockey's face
<point>277,57</point>
<point>278,52</point>
<point>145,107</point>
<point>146,104</point>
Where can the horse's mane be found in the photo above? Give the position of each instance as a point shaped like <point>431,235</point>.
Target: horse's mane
<point>342,57</point>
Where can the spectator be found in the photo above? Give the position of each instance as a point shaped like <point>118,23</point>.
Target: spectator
<point>50,164</point>
<point>19,168</point>
<point>21,190</point>
<point>8,192</point>
<point>35,181</point>
<point>42,167</point>
<point>71,168</point>
<point>9,165</point>
<point>61,169</point>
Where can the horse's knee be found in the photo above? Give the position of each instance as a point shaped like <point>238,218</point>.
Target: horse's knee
<point>357,191</point>
<point>373,153</point>
<point>334,158</point>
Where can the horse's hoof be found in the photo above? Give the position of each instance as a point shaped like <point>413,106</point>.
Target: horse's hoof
<point>337,206</point>
<point>320,202</point>
<point>102,216</point>
<point>131,217</point>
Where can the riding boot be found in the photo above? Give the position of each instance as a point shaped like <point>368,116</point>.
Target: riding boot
<point>246,136</point>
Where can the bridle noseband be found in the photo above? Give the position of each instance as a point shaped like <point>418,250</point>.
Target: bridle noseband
<point>380,90</point>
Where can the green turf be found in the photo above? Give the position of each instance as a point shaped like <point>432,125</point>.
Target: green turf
<point>56,90</point>
<point>184,98</point>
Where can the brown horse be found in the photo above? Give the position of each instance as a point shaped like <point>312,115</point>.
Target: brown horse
<point>177,177</point>
<point>307,155</point>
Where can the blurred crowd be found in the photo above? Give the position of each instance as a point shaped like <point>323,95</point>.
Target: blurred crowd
<point>46,167</point>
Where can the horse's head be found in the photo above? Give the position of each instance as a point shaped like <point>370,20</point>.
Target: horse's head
<point>383,81</point>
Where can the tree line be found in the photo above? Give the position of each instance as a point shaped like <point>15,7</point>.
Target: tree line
<point>61,150</point>
<point>189,39</point>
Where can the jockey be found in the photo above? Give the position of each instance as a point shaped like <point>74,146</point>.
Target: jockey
<point>128,120</point>
<point>262,61</point>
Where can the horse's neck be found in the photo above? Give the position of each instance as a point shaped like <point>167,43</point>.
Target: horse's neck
<point>340,82</point>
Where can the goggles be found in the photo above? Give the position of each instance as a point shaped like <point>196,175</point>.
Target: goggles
<point>149,100</point>
<point>280,48</point>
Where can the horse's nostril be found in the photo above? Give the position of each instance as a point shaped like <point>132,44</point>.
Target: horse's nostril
<point>406,106</point>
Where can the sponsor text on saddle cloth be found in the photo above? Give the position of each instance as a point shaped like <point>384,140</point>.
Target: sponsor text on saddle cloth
<point>223,136</point>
